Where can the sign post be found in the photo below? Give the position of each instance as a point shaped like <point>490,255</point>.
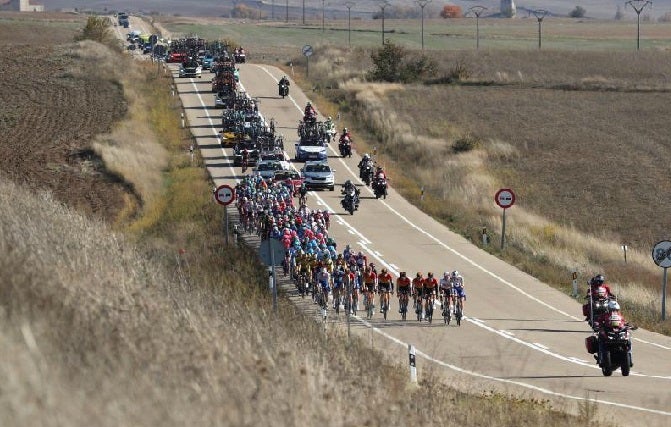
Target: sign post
<point>307,52</point>
<point>271,252</point>
<point>661,255</point>
<point>224,195</point>
<point>413,363</point>
<point>575,284</point>
<point>505,198</point>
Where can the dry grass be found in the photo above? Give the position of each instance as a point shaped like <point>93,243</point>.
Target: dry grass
<point>580,139</point>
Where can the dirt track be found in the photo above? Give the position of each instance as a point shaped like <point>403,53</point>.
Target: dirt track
<point>49,115</point>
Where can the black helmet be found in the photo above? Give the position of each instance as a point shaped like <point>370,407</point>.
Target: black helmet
<point>599,279</point>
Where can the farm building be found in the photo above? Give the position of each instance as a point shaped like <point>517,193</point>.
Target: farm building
<point>21,6</point>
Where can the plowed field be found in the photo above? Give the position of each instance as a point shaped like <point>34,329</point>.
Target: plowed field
<point>52,104</point>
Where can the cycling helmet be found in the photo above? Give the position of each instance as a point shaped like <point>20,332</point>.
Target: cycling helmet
<point>402,274</point>
<point>309,104</point>
<point>429,274</point>
<point>323,269</point>
<point>446,274</point>
<point>330,118</point>
<point>615,320</point>
<point>384,270</point>
<point>613,306</point>
<point>455,273</point>
<point>598,279</point>
<point>344,130</point>
<point>419,274</point>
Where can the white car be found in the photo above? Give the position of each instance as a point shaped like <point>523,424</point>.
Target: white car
<point>267,168</point>
<point>318,175</point>
<point>190,69</point>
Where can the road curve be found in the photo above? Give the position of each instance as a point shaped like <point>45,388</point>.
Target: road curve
<point>520,336</point>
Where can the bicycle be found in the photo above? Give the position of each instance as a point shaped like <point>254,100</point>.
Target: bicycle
<point>369,303</point>
<point>429,308</point>
<point>447,309</point>
<point>403,300</point>
<point>458,311</point>
<point>418,307</point>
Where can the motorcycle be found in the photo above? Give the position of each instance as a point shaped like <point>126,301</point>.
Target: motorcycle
<point>380,188</point>
<point>613,349</point>
<point>366,174</point>
<point>350,202</point>
<point>284,90</point>
<point>345,147</point>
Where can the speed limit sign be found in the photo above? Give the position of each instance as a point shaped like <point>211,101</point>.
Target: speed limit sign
<point>661,254</point>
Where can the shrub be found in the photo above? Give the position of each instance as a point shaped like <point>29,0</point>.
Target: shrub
<point>578,12</point>
<point>465,143</point>
<point>98,29</point>
<point>391,63</point>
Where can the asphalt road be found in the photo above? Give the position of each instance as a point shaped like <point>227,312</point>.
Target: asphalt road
<point>519,336</point>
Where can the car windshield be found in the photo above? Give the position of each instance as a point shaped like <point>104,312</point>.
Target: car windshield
<point>312,143</point>
<point>190,64</point>
<point>269,166</point>
<point>317,168</point>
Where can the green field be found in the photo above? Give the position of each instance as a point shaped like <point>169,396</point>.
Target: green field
<point>460,34</point>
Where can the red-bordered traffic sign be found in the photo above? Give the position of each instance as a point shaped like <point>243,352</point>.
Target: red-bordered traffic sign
<point>224,194</point>
<point>505,198</point>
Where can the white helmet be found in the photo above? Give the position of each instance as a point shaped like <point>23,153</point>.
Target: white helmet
<point>366,156</point>
<point>446,274</point>
<point>455,273</point>
<point>613,306</point>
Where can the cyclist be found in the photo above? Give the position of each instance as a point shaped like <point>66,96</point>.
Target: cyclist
<point>417,291</point>
<point>403,287</point>
<point>338,285</point>
<point>457,281</point>
<point>303,193</point>
<point>430,287</point>
<point>385,285</point>
<point>354,278</point>
<point>324,280</point>
<point>370,283</point>
<point>444,287</point>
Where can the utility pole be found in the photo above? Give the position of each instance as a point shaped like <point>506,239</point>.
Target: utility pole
<point>477,11</point>
<point>638,6</point>
<point>422,4</point>
<point>383,5</point>
<point>349,5</point>
<point>540,14</point>
<point>303,12</point>
<point>286,10</point>
<point>323,16</point>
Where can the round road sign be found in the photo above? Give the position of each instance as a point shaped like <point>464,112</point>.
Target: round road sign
<point>224,194</point>
<point>505,198</point>
<point>307,50</point>
<point>661,254</point>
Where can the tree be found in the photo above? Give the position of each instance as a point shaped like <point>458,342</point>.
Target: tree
<point>451,11</point>
<point>619,13</point>
<point>98,29</point>
<point>578,12</point>
<point>392,63</point>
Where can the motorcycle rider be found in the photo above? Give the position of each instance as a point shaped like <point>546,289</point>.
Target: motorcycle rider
<point>284,81</point>
<point>330,128</point>
<point>350,188</point>
<point>598,289</point>
<point>365,161</point>
<point>607,322</point>
<point>310,112</point>
<point>379,174</point>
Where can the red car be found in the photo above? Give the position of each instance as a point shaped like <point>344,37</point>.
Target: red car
<point>289,176</point>
<point>176,57</point>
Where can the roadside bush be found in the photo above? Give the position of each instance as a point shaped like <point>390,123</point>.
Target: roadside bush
<point>98,29</point>
<point>392,63</point>
<point>465,143</point>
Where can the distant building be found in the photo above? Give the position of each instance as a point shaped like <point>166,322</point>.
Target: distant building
<point>508,9</point>
<point>21,6</point>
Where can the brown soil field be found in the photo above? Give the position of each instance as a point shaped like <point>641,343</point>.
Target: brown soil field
<point>52,104</point>
<point>590,136</point>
